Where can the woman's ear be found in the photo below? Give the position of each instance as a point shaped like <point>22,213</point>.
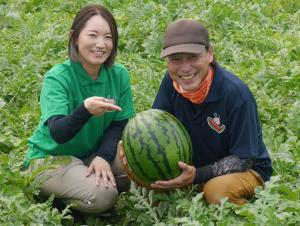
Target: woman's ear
<point>70,36</point>
<point>70,33</point>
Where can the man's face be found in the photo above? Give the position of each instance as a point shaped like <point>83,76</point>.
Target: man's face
<point>189,69</point>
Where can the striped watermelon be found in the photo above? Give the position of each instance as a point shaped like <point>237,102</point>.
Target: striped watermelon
<point>154,141</point>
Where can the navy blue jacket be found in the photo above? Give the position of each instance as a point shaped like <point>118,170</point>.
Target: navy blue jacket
<point>226,123</point>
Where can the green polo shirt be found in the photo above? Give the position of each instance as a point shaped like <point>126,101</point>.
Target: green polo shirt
<point>65,87</point>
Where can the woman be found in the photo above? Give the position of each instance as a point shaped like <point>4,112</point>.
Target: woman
<point>85,104</point>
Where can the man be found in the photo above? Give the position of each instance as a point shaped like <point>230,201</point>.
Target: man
<point>219,113</point>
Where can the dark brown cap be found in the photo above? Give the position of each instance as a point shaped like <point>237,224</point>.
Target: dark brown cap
<point>184,36</point>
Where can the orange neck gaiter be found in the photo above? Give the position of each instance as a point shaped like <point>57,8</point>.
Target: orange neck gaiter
<point>199,95</point>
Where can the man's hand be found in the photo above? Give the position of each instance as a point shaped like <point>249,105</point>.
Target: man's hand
<point>186,178</point>
<point>103,172</point>
<point>126,167</point>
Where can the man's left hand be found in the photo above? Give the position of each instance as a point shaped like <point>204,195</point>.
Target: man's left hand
<point>186,178</point>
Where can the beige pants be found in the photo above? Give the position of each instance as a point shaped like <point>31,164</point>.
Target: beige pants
<point>69,183</point>
<point>237,187</point>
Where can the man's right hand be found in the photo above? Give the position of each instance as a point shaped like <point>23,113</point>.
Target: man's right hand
<point>126,167</point>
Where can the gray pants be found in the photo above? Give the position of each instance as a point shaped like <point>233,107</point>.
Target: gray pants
<point>69,183</point>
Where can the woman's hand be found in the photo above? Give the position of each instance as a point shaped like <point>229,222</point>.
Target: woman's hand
<point>187,176</point>
<point>99,105</point>
<point>103,172</point>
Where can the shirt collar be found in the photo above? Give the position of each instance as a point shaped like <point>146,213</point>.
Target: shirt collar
<point>83,77</point>
<point>213,94</point>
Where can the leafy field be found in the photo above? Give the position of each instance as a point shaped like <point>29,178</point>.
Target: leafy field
<point>258,40</point>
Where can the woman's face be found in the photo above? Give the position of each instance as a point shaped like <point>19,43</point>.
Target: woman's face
<point>94,42</point>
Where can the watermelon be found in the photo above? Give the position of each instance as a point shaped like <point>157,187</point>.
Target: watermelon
<point>153,142</point>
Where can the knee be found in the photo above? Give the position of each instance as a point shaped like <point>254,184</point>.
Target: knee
<point>104,199</point>
<point>216,189</point>
<point>97,200</point>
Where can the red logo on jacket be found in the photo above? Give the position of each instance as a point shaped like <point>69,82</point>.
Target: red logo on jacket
<point>215,123</point>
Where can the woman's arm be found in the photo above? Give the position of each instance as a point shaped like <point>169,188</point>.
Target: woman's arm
<point>111,138</point>
<point>64,128</point>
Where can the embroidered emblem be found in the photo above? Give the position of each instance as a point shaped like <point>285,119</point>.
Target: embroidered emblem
<point>215,123</point>
<point>113,100</point>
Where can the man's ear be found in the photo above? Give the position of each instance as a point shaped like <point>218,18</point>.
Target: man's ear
<point>211,54</point>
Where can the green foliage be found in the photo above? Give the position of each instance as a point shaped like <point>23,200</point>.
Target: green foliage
<point>258,40</point>
<point>17,197</point>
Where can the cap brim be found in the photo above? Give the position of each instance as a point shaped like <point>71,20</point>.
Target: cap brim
<point>182,48</point>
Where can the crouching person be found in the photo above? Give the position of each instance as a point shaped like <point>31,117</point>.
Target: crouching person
<point>85,104</point>
<point>220,114</point>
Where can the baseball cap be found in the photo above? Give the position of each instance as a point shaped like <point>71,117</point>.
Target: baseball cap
<point>184,36</point>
